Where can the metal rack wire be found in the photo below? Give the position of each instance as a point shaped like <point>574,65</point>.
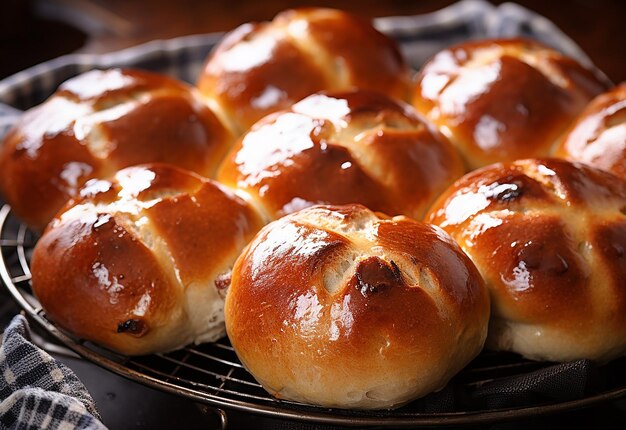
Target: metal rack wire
<point>212,374</point>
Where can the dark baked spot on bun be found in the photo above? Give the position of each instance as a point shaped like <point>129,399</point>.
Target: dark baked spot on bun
<point>554,260</point>
<point>339,307</point>
<point>396,269</point>
<point>374,275</point>
<point>133,326</point>
<point>542,256</point>
<point>222,281</point>
<point>610,240</point>
<point>366,147</point>
<point>510,189</point>
<point>141,262</point>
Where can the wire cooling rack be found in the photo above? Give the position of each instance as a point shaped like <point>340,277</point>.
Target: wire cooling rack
<point>212,374</point>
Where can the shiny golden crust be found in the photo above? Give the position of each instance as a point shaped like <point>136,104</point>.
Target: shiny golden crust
<point>140,263</point>
<point>598,137</point>
<point>337,307</point>
<point>338,148</point>
<point>502,100</point>
<point>549,238</point>
<point>262,68</point>
<point>100,122</point>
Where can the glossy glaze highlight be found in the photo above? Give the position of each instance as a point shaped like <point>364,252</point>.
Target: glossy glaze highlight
<point>598,137</point>
<point>97,123</point>
<point>342,148</point>
<point>502,100</point>
<point>352,303</point>
<point>138,263</point>
<point>262,68</point>
<point>547,236</point>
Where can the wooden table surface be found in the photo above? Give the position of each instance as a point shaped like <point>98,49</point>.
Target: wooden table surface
<point>32,30</point>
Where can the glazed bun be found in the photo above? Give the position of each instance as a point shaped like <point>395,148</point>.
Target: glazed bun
<point>598,137</point>
<point>343,147</point>
<point>262,68</point>
<point>502,100</point>
<point>140,263</point>
<point>98,123</point>
<point>549,238</point>
<point>338,307</point>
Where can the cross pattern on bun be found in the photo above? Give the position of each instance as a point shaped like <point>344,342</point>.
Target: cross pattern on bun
<point>502,100</point>
<point>343,147</point>
<point>98,123</point>
<point>598,137</point>
<point>141,263</point>
<point>549,238</point>
<point>339,307</point>
<point>265,67</point>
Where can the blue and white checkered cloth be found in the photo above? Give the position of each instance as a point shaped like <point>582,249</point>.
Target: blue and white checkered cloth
<point>36,391</point>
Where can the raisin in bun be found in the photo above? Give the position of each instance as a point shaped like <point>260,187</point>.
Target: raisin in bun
<point>339,307</point>
<point>502,100</point>
<point>98,123</point>
<point>598,137</point>
<point>140,263</point>
<point>260,68</point>
<point>549,238</point>
<point>343,147</point>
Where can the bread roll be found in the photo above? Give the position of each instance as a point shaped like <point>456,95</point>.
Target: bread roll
<point>100,122</point>
<point>343,147</point>
<point>261,68</point>
<point>549,238</point>
<point>140,263</point>
<point>598,137</point>
<point>338,307</point>
<point>502,100</point>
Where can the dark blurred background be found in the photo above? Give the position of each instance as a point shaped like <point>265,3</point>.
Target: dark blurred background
<point>32,31</point>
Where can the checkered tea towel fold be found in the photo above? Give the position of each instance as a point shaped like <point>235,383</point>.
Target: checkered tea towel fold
<point>36,391</point>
